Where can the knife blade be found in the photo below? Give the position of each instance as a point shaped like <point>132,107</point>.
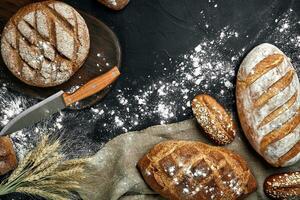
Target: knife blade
<point>59,101</point>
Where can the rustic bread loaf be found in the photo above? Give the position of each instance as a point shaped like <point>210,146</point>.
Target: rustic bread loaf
<point>115,4</point>
<point>212,117</point>
<point>283,186</point>
<point>8,160</point>
<point>268,103</point>
<point>180,170</point>
<point>45,43</point>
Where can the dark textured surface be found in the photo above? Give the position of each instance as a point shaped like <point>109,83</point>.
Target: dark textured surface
<point>153,31</point>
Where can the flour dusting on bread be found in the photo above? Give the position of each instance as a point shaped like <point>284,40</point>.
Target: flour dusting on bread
<point>196,171</point>
<point>45,43</point>
<point>269,105</point>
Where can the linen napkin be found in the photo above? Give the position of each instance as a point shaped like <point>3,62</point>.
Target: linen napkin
<point>113,174</point>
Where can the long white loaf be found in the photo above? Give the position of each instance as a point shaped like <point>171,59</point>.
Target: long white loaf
<point>268,102</point>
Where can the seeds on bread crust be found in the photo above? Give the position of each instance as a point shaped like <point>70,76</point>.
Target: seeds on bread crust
<point>45,43</point>
<point>283,186</point>
<point>212,117</point>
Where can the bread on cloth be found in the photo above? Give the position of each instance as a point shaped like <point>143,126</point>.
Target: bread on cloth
<point>45,43</point>
<point>213,118</point>
<point>8,159</point>
<point>181,170</point>
<point>268,104</point>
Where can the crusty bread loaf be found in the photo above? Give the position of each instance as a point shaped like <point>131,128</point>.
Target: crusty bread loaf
<point>180,170</point>
<point>115,4</point>
<point>8,160</point>
<point>268,103</point>
<point>212,117</point>
<point>45,43</point>
<point>283,186</point>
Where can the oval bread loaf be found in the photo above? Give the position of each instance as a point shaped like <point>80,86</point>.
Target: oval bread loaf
<point>212,117</point>
<point>268,103</point>
<point>45,43</point>
<point>181,170</point>
<point>8,159</point>
<point>283,186</point>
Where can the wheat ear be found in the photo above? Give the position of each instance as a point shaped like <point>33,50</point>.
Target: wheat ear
<point>45,172</point>
<point>41,193</point>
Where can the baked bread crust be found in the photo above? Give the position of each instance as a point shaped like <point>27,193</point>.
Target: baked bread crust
<point>180,170</point>
<point>268,104</point>
<point>45,43</point>
<point>8,159</point>
<point>283,185</point>
<point>115,4</point>
<point>215,121</point>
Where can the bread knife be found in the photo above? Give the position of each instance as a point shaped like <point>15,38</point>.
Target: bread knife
<point>59,101</point>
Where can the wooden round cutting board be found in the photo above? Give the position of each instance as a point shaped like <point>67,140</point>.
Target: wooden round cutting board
<point>105,53</point>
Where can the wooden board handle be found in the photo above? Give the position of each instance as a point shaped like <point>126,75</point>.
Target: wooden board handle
<point>92,87</point>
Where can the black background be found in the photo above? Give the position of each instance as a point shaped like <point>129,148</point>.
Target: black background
<point>152,31</point>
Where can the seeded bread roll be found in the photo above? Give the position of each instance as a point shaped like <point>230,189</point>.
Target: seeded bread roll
<point>283,186</point>
<point>268,103</point>
<point>8,160</point>
<point>212,117</point>
<point>45,43</point>
<point>187,170</point>
<point>115,4</point>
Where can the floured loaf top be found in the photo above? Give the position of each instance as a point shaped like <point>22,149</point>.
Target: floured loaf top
<point>45,43</point>
<point>190,170</point>
<point>268,101</point>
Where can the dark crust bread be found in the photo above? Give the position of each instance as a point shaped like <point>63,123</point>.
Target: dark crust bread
<point>180,170</point>
<point>283,185</point>
<point>45,43</point>
<point>217,124</point>
<point>8,159</point>
<point>115,4</point>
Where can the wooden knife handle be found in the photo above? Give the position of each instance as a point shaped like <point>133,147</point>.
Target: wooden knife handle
<point>92,87</point>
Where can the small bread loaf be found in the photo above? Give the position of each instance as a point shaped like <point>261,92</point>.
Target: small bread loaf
<point>45,43</point>
<point>268,103</point>
<point>181,170</point>
<point>8,160</point>
<point>283,186</point>
<point>115,4</point>
<point>212,117</point>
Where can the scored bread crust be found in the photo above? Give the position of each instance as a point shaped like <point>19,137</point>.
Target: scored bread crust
<point>180,170</point>
<point>215,121</point>
<point>8,159</point>
<point>45,43</point>
<point>268,102</point>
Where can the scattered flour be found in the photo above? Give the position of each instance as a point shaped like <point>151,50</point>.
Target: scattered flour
<point>201,70</point>
<point>24,140</point>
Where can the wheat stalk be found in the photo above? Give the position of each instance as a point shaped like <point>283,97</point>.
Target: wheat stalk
<point>45,172</point>
<point>80,161</point>
<point>21,167</point>
<point>69,172</point>
<point>42,193</point>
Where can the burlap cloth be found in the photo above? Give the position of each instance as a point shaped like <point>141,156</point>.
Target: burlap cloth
<point>113,173</point>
